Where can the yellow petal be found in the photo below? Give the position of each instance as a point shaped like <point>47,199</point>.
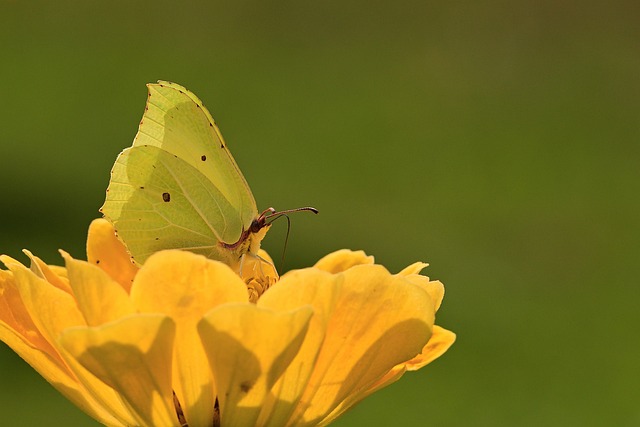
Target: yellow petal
<point>99,298</point>
<point>439,343</point>
<point>319,290</point>
<point>23,335</point>
<point>61,272</point>
<point>342,260</point>
<point>390,377</point>
<point>378,321</point>
<point>15,317</point>
<point>249,348</point>
<point>51,309</point>
<point>185,286</point>
<point>414,268</point>
<point>133,356</point>
<point>105,250</point>
<point>44,271</point>
<point>434,288</point>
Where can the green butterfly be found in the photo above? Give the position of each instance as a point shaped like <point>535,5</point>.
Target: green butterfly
<point>178,186</point>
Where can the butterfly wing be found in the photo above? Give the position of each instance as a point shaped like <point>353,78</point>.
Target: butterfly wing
<point>178,185</point>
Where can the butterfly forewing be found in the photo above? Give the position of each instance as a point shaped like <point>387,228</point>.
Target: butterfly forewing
<point>177,121</point>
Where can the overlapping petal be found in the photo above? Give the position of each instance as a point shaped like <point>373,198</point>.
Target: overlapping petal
<point>34,312</point>
<point>342,260</point>
<point>187,340</point>
<point>106,251</point>
<point>99,298</point>
<point>376,321</point>
<point>132,356</point>
<point>19,332</point>
<point>185,286</point>
<point>249,348</point>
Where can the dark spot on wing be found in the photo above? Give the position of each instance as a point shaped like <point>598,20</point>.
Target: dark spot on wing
<point>245,386</point>
<point>97,261</point>
<point>166,197</point>
<point>141,187</point>
<point>203,157</point>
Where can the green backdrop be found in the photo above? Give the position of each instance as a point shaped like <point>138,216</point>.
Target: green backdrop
<point>498,141</point>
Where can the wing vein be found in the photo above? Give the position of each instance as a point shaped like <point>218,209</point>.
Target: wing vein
<point>152,99</point>
<point>197,208</point>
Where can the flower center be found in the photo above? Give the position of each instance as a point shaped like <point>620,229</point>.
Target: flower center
<point>183,421</point>
<point>258,285</point>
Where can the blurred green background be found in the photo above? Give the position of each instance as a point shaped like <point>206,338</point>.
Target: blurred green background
<point>498,141</point>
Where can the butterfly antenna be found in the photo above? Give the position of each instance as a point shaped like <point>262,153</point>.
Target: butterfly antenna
<point>274,215</point>
<point>286,239</point>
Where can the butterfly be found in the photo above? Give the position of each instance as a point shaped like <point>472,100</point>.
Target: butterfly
<point>178,187</point>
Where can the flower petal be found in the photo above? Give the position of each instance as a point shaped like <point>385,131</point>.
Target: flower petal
<point>319,290</point>
<point>99,298</point>
<point>18,331</point>
<point>15,317</point>
<point>51,309</point>
<point>249,348</point>
<point>28,308</point>
<point>342,260</point>
<point>44,271</point>
<point>185,286</point>
<point>374,321</point>
<point>434,288</point>
<point>105,250</point>
<point>439,343</point>
<point>414,268</point>
<point>133,356</point>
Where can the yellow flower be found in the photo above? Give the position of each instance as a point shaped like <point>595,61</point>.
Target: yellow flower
<point>179,342</point>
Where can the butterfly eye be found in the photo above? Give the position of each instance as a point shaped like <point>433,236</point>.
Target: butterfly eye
<point>257,224</point>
